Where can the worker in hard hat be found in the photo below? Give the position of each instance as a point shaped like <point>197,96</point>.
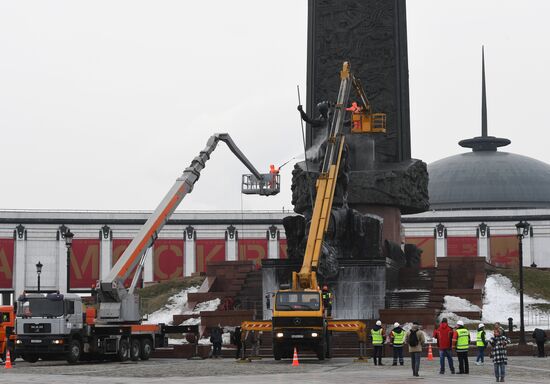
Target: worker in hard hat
<point>461,342</point>
<point>397,337</point>
<point>273,171</point>
<point>327,300</point>
<point>481,343</point>
<point>377,334</point>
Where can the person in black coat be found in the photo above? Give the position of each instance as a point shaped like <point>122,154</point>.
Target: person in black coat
<point>540,337</point>
<point>216,340</point>
<point>237,341</point>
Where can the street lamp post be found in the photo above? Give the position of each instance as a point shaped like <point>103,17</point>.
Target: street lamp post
<point>69,243</point>
<point>38,272</point>
<point>522,230</point>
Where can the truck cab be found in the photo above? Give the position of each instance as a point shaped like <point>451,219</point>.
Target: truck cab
<point>299,322</point>
<point>46,324</point>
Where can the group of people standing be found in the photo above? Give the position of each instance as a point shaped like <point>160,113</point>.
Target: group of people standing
<point>398,337</point>
<point>448,339</point>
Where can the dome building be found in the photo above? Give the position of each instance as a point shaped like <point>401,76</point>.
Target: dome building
<point>476,200</point>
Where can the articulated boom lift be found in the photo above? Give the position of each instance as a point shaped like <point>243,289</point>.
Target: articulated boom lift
<point>299,315</point>
<point>119,304</point>
<point>56,325</point>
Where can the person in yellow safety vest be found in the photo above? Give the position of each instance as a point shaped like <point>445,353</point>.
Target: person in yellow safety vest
<point>327,300</point>
<point>461,342</point>
<point>481,343</point>
<point>377,334</point>
<point>397,337</point>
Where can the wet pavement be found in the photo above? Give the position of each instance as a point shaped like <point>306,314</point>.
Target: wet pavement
<point>227,371</point>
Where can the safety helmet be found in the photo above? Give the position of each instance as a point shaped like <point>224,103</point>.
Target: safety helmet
<point>396,324</point>
<point>379,323</point>
<point>460,323</point>
<point>481,325</point>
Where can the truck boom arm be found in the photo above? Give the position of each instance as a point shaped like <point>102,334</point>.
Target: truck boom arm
<point>111,287</point>
<point>326,185</point>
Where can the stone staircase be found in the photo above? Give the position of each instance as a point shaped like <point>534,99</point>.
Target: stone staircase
<point>411,302</point>
<point>250,295</point>
<point>463,277</point>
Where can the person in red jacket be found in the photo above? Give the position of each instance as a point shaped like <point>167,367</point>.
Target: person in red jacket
<point>444,336</point>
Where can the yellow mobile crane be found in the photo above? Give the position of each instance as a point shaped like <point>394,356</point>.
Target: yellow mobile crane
<point>300,319</point>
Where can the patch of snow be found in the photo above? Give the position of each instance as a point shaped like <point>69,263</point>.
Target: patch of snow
<point>177,341</point>
<point>192,321</point>
<point>454,304</point>
<point>501,301</point>
<point>174,306</point>
<point>210,305</point>
<point>458,304</point>
<point>452,318</point>
<point>226,338</point>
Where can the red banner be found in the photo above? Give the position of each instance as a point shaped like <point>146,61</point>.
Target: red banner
<point>7,247</point>
<point>462,246</point>
<point>84,269</point>
<point>119,246</point>
<point>504,251</point>
<point>253,249</point>
<point>282,249</point>
<point>427,245</point>
<point>168,259</point>
<point>209,250</point>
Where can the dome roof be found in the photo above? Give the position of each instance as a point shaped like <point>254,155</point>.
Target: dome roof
<point>486,178</point>
<point>489,179</point>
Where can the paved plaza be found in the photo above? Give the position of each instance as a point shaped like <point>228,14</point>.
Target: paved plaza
<point>227,371</point>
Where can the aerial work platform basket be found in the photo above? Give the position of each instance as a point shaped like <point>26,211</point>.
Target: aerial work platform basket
<point>268,185</point>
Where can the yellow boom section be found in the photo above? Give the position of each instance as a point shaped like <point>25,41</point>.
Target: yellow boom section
<point>326,185</point>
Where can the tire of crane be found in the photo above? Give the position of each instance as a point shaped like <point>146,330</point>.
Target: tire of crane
<point>146,349</point>
<point>75,351</point>
<point>30,357</point>
<point>123,350</point>
<point>135,349</point>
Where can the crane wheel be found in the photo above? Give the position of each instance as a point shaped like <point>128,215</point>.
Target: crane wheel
<point>135,349</point>
<point>146,349</point>
<point>124,350</point>
<point>75,350</point>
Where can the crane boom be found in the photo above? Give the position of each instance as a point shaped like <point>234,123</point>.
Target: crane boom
<point>326,185</point>
<point>119,304</point>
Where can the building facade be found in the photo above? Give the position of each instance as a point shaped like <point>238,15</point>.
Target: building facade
<point>184,246</point>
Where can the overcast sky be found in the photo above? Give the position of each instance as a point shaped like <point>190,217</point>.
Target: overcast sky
<point>104,103</point>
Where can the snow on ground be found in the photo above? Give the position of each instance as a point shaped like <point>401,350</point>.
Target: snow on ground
<point>501,301</point>
<point>174,306</point>
<point>454,304</point>
<point>458,304</point>
<point>210,305</point>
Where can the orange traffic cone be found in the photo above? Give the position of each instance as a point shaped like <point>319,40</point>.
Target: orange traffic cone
<point>430,354</point>
<point>8,360</point>
<point>295,362</point>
